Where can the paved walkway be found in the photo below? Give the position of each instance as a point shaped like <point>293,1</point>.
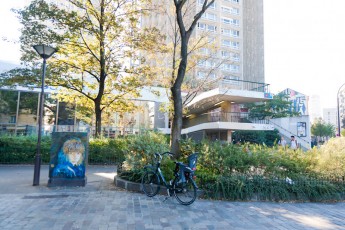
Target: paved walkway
<point>99,205</point>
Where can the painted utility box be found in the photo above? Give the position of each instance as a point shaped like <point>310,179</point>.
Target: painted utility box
<point>68,159</point>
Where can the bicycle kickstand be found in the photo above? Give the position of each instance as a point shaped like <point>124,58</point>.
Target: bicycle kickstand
<point>168,195</point>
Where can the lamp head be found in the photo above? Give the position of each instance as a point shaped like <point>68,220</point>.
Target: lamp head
<point>44,51</point>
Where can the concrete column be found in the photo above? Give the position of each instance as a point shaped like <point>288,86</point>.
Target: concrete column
<point>229,136</point>
<point>226,109</point>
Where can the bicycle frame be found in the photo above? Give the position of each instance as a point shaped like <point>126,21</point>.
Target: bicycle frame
<point>156,169</point>
<point>182,186</point>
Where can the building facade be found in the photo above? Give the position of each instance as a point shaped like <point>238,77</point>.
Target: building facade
<point>330,116</point>
<point>232,56</point>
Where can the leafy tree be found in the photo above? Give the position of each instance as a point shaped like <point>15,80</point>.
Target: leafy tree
<point>186,25</point>
<point>321,129</point>
<point>277,107</point>
<point>96,41</point>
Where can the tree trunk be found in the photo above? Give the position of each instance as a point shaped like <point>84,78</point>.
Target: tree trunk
<point>98,100</point>
<point>176,127</point>
<point>98,113</point>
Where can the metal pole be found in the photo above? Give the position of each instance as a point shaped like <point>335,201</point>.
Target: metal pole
<point>338,115</point>
<point>57,117</point>
<point>75,117</point>
<point>17,114</point>
<point>339,109</point>
<point>38,153</point>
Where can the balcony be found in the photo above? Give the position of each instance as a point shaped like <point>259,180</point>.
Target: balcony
<point>244,85</point>
<point>221,117</point>
<point>230,90</point>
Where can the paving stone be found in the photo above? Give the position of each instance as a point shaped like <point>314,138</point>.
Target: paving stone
<point>105,207</point>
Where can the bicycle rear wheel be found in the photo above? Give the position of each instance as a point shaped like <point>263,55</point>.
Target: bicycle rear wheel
<point>150,183</point>
<point>184,192</point>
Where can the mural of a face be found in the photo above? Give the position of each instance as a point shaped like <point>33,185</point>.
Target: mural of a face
<point>75,157</point>
<point>74,150</point>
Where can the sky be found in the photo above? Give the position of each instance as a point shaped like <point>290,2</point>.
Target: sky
<point>304,45</point>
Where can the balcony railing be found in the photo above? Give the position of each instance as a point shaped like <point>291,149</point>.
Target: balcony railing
<point>223,117</point>
<point>244,85</point>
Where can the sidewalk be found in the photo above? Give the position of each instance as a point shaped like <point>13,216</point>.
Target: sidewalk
<point>99,205</point>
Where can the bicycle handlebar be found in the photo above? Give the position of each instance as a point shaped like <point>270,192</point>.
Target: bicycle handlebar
<point>162,154</point>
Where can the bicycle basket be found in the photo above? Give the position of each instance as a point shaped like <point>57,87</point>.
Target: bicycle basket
<point>192,160</point>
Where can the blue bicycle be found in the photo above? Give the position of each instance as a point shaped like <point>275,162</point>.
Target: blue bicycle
<point>182,186</point>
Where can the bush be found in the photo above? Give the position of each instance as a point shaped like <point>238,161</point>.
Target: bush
<point>255,172</point>
<point>107,151</point>
<point>330,158</point>
<point>141,148</point>
<point>243,187</point>
<point>22,149</point>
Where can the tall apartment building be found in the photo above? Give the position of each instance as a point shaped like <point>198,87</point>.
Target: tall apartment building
<point>330,116</point>
<point>235,31</point>
<point>233,55</point>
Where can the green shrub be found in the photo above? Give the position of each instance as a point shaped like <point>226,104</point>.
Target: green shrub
<point>22,149</point>
<point>243,187</point>
<point>330,158</point>
<point>258,172</point>
<point>141,148</point>
<point>107,151</point>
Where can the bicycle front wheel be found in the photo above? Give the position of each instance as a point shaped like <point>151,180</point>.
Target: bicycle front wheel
<point>184,192</point>
<point>150,183</point>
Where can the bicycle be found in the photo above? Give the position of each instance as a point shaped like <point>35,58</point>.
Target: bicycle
<point>182,186</point>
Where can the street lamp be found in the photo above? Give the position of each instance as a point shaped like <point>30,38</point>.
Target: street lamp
<point>45,52</point>
<point>338,108</point>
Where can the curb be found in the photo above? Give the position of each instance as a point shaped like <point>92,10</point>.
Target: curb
<point>127,185</point>
<point>134,187</point>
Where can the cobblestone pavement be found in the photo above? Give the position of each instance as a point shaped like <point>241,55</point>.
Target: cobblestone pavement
<point>99,205</point>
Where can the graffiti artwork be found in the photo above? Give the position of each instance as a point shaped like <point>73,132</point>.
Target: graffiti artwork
<point>301,129</point>
<point>68,158</point>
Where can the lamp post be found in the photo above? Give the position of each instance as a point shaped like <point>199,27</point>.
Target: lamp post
<point>45,52</point>
<point>338,108</point>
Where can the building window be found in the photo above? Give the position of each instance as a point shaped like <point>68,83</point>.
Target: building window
<point>212,6</point>
<point>231,21</point>
<point>232,44</point>
<point>210,64</point>
<point>201,74</point>
<point>231,68</point>
<point>230,10</point>
<point>204,51</point>
<point>226,42</point>
<point>231,55</point>
<point>234,1</point>
<point>13,119</point>
<point>235,57</point>
<point>230,32</point>
<point>201,63</point>
<point>209,16</point>
<point>225,54</point>
<point>211,28</point>
<point>235,11</point>
<point>201,26</point>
